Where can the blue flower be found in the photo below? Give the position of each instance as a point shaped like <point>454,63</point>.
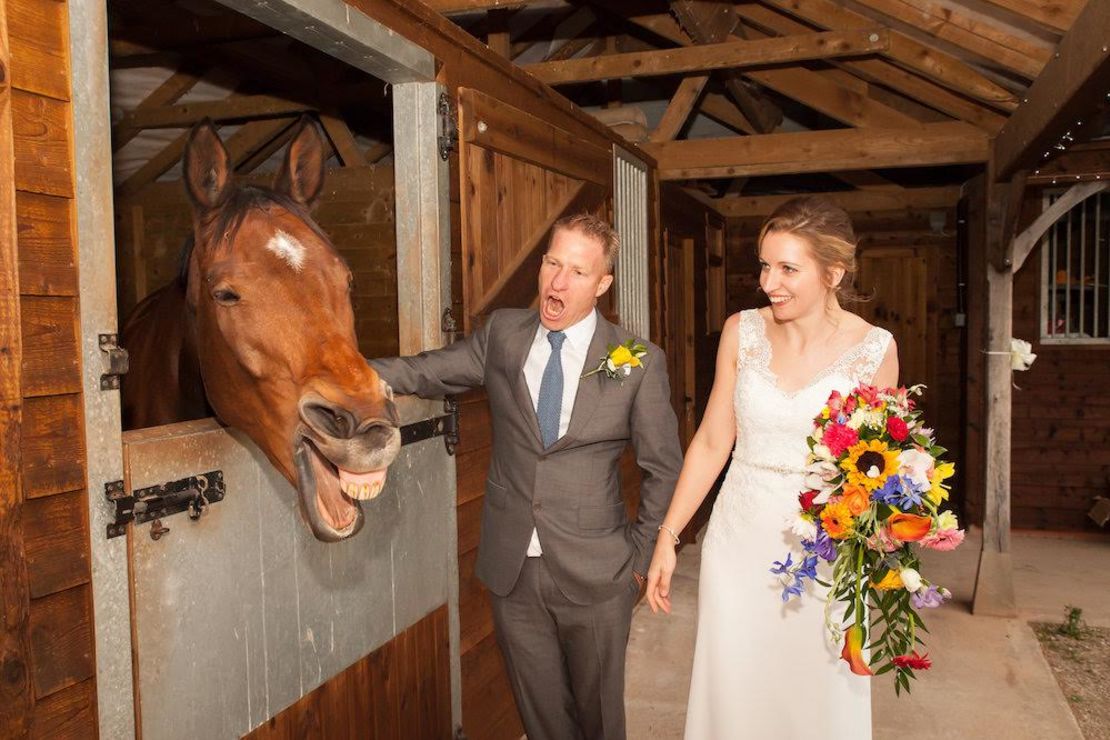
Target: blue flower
<point>781,567</point>
<point>823,546</point>
<point>900,492</point>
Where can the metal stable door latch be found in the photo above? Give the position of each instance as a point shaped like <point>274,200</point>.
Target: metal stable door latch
<point>115,362</point>
<point>446,426</point>
<point>448,129</point>
<point>193,495</point>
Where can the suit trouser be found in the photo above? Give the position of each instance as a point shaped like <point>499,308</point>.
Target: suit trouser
<point>565,660</point>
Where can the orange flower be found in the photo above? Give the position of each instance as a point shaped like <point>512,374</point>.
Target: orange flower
<point>853,651</point>
<point>856,499</point>
<point>909,527</point>
<point>836,518</point>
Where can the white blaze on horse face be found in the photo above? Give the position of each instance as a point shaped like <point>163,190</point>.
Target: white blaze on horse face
<point>288,249</point>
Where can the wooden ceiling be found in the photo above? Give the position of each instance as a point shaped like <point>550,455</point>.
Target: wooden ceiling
<point>802,95</point>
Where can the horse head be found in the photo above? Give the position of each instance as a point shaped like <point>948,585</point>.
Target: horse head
<point>269,298</point>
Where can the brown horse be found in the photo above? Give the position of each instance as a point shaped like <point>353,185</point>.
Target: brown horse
<point>259,326</point>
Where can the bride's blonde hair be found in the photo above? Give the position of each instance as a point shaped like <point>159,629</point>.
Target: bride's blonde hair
<point>827,229</point>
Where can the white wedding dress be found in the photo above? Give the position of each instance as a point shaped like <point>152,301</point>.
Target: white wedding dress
<point>762,668</point>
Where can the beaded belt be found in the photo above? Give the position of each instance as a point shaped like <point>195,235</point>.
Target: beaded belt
<point>781,469</point>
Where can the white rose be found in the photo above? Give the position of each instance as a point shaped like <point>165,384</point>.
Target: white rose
<point>947,521</point>
<point>819,475</point>
<point>911,579</point>
<point>1021,354</point>
<point>822,452</point>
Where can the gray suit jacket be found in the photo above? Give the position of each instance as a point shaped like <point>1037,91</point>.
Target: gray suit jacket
<point>571,491</point>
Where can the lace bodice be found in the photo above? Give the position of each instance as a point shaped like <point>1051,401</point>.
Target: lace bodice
<point>772,424</point>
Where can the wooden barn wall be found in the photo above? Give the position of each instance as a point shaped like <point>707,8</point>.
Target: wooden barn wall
<point>52,685</point>
<point>1061,416</point>
<point>401,691</point>
<point>904,257</point>
<point>356,209</point>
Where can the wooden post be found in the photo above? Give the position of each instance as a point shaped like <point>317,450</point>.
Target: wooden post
<point>994,582</point>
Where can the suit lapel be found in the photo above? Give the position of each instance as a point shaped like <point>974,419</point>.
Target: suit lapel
<point>591,388</point>
<point>519,343</point>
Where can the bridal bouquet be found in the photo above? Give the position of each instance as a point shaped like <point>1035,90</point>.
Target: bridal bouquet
<point>876,484</point>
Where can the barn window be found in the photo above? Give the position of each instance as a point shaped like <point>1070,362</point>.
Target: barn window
<point>630,203</point>
<point>1075,274</point>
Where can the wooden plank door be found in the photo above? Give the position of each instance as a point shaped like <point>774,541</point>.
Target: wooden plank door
<point>517,175</point>
<point>678,338</point>
<point>899,278</point>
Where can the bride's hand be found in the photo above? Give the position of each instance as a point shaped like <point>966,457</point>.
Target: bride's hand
<point>659,576</point>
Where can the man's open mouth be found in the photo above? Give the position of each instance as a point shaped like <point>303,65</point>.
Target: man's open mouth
<point>329,495</point>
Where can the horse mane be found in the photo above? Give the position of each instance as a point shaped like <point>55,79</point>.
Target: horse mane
<point>229,217</point>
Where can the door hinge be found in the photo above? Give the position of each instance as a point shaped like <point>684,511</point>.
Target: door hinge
<point>448,325</point>
<point>446,426</point>
<point>115,363</point>
<point>448,127</point>
<point>193,494</point>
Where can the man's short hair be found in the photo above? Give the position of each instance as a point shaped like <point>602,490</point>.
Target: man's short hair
<point>596,228</point>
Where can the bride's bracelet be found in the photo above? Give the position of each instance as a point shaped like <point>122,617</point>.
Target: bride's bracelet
<point>668,530</point>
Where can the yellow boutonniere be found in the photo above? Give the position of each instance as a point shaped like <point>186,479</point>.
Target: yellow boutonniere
<point>620,360</point>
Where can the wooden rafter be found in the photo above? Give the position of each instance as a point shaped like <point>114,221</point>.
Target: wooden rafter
<point>979,37</point>
<point>1058,15</point>
<point>167,93</point>
<point>343,140</point>
<point>913,55</point>
<point>1073,86</point>
<point>497,33</point>
<point>883,72</point>
<point>724,111</point>
<point>236,107</point>
<point>710,22</point>
<point>820,151</point>
<point>851,201</point>
<point>678,110</point>
<point>466,6</point>
<point>730,54</point>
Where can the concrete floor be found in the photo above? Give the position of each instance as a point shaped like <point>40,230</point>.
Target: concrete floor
<point>989,678</point>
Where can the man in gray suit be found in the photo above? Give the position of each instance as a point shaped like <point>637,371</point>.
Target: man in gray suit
<point>563,563</point>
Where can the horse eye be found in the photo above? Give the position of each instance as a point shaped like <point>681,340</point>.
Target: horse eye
<point>225,296</point>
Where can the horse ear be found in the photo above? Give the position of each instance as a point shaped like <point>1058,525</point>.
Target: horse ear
<point>302,173</point>
<point>207,166</point>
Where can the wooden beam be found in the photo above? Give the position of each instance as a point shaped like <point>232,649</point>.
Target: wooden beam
<point>724,111</point>
<point>497,32</point>
<point>820,151</point>
<point>343,140</point>
<point>469,6</point>
<point>975,35</point>
<point>730,54</point>
<point>913,55</point>
<point>711,22</point>
<point>1027,240</point>
<point>167,93</point>
<point>1073,86</point>
<point>253,137</point>
<point>235,107</point>
<point>678,110</point>
<point>851,201</point>
<point>1059,15</point>
<point>883,72</point>
<point>154,168</point>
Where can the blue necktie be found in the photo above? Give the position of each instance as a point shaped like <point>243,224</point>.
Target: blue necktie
<point>549,407</point>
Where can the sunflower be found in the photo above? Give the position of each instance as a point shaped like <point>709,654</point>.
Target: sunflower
<point>869,464</point>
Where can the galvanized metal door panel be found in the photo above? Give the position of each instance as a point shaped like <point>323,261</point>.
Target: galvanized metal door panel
<point>240,613</point>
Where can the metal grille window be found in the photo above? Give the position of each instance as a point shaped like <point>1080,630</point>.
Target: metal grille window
<point>1075,274</point>
<point>630,206</point>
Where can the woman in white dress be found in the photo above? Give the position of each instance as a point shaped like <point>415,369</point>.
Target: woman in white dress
<point>764,668</point>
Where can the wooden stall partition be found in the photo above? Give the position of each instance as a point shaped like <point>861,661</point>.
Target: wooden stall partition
<point>49,684</point>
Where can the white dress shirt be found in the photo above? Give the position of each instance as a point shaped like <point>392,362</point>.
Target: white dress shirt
<point>573,356</point>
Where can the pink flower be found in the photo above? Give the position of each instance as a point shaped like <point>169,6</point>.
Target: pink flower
<point>883,541</point>
<point>838,438</point>
<point>913,661</point>
<point>835,403</point>
<point>897,429</point>
<point>870,394</point>
<point>943,539</point>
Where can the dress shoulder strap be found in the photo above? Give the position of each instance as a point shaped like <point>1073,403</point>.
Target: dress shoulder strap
<point>751,337</point>
<point>863,361</point>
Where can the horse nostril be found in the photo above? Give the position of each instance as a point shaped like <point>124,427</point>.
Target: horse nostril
<point>379,434</point>
<point>330,420</point>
